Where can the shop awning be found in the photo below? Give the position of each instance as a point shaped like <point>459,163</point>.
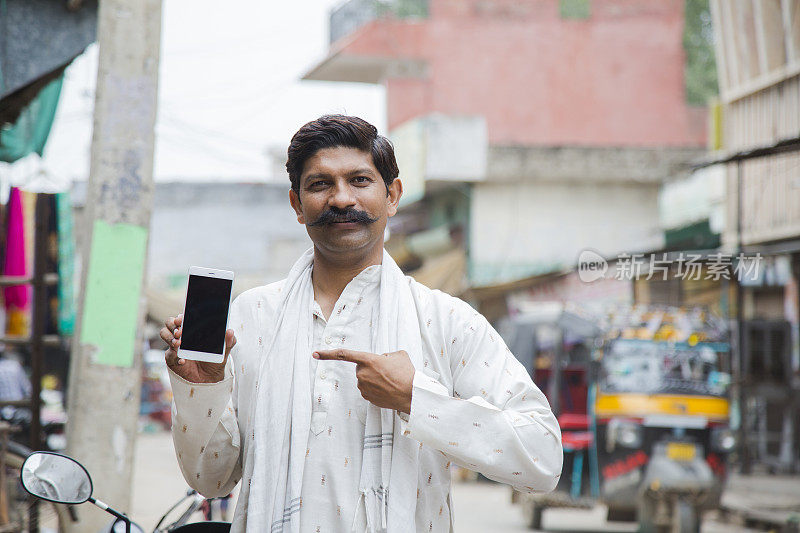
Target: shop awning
<point>446,272</point>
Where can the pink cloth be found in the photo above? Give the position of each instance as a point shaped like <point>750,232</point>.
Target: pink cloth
<point>18,296</point>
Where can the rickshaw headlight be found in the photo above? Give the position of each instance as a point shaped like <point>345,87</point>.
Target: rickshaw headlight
<point>629,434</point>
<point>723,439</point>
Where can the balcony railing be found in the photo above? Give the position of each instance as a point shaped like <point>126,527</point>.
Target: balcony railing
<point>352,14</point>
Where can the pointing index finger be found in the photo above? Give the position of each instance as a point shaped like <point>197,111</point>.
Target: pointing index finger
<point>342,354</point>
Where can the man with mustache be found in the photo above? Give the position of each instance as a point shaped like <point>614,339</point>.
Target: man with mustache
<point>350,389</point>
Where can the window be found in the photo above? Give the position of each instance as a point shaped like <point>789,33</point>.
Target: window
<point>574,9</point>
<point>767,351</point>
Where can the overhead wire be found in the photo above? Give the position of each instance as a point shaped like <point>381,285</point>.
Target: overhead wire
<point>168,119</point>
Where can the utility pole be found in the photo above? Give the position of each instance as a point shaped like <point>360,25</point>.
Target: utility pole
<point>105,368</point>
<point>740,370</point>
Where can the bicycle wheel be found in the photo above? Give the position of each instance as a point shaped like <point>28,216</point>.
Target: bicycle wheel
<point>19,502</point>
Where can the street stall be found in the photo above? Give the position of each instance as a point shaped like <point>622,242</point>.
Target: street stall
<point>33,358</point>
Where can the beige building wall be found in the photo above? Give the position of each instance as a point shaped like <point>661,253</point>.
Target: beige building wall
<point>544,226</point>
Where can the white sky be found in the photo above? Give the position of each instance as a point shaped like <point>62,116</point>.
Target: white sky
<point>229,89</point>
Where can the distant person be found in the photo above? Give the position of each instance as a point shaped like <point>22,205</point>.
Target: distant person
<point>351,389</point>
<point>14,382</point>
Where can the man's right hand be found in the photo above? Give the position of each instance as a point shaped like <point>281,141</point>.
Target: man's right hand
<point>193,371</point>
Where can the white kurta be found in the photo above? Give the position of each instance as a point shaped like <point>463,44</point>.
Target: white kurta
<point>472,404</point>
<point>333,458</point>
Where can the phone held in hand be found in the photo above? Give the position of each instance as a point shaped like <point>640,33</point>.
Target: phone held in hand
<point>205,315</point>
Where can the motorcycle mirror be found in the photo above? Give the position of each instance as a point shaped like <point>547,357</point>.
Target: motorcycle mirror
<point>56,478</point>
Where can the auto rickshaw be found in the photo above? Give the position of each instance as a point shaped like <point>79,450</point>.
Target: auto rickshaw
<point>653,440</point>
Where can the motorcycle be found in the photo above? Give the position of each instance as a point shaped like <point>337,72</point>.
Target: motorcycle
<point>53,422</point>
<point>57,478</point>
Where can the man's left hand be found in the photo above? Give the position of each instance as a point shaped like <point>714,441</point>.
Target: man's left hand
<point>384,380</point>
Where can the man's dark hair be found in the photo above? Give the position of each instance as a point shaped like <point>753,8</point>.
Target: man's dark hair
<point>333,131</point>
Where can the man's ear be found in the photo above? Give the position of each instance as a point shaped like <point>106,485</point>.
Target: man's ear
<point>294,200</point>
<point>395,191</point>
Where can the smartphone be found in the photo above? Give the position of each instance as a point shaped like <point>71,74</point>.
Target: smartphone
<point>205,315</point>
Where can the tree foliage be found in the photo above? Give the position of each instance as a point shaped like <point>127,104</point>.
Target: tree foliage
<point>698,42</point>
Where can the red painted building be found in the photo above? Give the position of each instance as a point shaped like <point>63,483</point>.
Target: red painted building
<point>615,78</point>
<point>602,79</point>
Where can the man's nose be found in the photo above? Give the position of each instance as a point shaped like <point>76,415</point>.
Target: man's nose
<point>342,196</point>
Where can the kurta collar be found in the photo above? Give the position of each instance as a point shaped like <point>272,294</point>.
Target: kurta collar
<point>370,275</point>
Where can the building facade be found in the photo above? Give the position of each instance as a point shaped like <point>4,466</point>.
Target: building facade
<point>526,131</point>
<point>758,59</point>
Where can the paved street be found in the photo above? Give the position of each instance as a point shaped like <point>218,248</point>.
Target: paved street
<point>479,507</point>
<point>484,507</point>
<point>157,480</point>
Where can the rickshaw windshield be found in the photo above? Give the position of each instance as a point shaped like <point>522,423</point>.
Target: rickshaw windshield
<point>663,368</point>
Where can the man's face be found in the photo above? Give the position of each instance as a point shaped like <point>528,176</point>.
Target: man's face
<point>343,200</point>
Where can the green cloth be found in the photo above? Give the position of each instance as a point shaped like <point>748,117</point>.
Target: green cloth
<point>66,265</point>
<point>29,133</point>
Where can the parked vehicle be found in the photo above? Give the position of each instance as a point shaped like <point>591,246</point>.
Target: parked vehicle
<point>644,422</point>
<point>22,509</point>
<point>53,419</point>
<point>62,480</point>
<point>661,428</point>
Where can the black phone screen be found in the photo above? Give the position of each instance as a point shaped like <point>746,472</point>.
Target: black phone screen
<point>206,314</point>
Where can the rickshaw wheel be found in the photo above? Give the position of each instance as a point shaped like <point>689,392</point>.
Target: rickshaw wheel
<point>683,517</point>
<point>621,515</point>
<point>533,515</point>
<point>686,518</point>
<point>646,512</point>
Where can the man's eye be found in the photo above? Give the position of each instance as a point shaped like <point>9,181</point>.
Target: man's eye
<point>362,179</point>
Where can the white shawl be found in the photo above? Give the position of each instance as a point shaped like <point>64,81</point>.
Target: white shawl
<point>282,411</point>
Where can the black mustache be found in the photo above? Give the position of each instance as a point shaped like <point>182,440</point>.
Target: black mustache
<point>332,216</point>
